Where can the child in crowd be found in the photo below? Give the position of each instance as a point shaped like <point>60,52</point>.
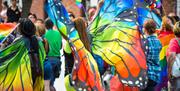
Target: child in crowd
<point>153,48</point>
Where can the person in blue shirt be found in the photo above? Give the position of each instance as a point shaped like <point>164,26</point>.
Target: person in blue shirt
<point>152,49</point>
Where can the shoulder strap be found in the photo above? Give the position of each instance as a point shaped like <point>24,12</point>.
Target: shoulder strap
<point>178,41</point>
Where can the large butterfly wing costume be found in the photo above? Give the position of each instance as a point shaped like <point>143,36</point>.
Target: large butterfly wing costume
<point>114,37</point>
<point>117,37</point>
<point>15,68</point>
<point>85,73</point>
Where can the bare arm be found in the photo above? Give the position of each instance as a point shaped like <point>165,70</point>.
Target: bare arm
<point>98,8</point>
<point>46,45</point>
<point>170,60</point>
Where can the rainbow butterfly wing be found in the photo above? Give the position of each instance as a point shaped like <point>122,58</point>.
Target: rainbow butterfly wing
<point>61,26</point>
<point>85,73</point>
<point>15,68</point>
<point>154,3</point>
<point>158,3</point>
<point>116,38</point>
<point>78,3</point>
<point>108,12</point>
<point>5,30</point>
<point>144,14</point>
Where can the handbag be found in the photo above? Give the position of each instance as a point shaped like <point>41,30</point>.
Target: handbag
<point>176,65</point>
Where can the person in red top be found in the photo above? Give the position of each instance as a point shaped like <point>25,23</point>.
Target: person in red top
<point>172,51</point>
<point>174,47</point>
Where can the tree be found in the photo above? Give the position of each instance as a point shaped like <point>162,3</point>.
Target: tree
<point>26,7</point>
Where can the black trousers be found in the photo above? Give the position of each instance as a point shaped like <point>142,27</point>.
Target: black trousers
<point>69,63</point>
<point>150,86</point>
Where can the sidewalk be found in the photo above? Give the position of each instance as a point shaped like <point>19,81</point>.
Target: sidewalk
<point>59,83</point>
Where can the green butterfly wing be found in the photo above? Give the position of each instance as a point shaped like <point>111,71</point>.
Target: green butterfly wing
<point>15,68</point>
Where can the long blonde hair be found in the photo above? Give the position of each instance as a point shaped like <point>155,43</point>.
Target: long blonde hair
<point>80,25</point>
<point>40,30</point>
<point>165,24</point>
<point>176,29</point>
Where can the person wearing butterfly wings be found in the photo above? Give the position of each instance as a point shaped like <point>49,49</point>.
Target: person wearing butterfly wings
<point>114,39</point>
<point>22,62</point>
<point>79,25</point>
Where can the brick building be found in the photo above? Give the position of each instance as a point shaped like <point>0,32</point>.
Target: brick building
<point>37,7</point>
<point>178,7</point>
<point>170,6</point>
<point>0,4</point>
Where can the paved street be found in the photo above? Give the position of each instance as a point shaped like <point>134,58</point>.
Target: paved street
<point>59,83</point>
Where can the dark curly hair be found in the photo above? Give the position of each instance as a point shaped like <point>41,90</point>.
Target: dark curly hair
<point>27,30</point>
<point>26,27</point>
<point>150,26</point>
<point>49,24</point>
